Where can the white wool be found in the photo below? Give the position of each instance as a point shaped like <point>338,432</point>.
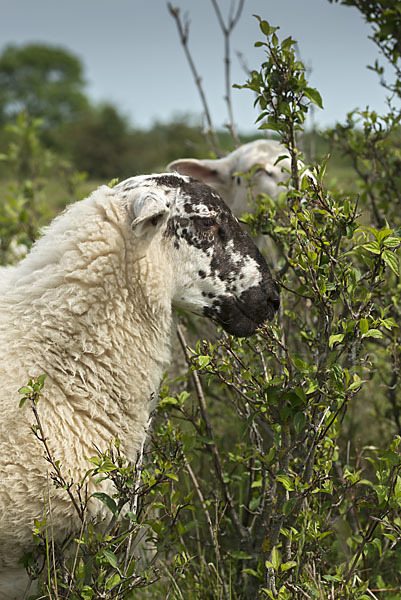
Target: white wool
<point>103,347</point>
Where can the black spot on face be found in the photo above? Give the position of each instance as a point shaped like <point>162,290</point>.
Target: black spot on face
<point>201,274</point>
<point>171,181</point>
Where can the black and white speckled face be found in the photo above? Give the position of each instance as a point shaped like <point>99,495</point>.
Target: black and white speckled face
<point>218,270</point>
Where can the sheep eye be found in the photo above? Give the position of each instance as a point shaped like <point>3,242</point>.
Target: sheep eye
<point>205,224</point>
<point>156,219</point>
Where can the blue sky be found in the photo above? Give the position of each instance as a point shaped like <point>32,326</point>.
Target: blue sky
<point>132,55</point>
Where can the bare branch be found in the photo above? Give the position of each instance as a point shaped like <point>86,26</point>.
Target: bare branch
<point>244,533</point>
<point>183,32</point>
<point>227,30</point>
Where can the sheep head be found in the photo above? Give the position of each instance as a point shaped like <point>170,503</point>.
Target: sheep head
<point>257,158</point>
<point>217,270</point>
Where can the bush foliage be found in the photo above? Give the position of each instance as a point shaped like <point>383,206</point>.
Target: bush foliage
<point>276,473</point>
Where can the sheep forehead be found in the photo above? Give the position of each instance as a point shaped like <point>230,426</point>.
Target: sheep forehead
<point>222,263</point>
<point>163,180</point>
<point>261,152</point>
<point>190,196</point>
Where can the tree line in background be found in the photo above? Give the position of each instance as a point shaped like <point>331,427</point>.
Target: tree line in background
<point>277,473</point>
<point>48,84</point>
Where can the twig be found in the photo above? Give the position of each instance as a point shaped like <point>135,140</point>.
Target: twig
<point>76,555</point>
<point>134,507</point>
<point>244,533</point>
<point>212,532</point>
<point>183,32</point>
<point>49,457</point>
<point>227,30</point>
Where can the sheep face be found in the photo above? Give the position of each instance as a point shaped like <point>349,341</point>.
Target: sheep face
<point>218,271</point>
<point>257,158</point>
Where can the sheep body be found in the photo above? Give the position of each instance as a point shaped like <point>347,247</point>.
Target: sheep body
<point>40,335</point>
<point>91,306</point>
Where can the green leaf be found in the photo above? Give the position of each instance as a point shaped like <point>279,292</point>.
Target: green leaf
<point>374,333</point>
<point>357,382</point>
<point>275,556</point>
<point>389,323</point>
<point>363,325</point>
<point>313,96</point>
<point>391,260</point>
<point>107,500</point>
<point>298,364</point>
<point>286,481</point>
<point>299,422</point>
<point>113,182</point>
<point>266,28</point>
<point>336,338</point>
<point>300,393</point>
<point>312,387</point>
<point>288,506</point>
<point>392,242</point>
<point>373,247</point>
<point>110,557</point>
<point>113,581</point>
<point>107,466</point>
<point>24,390</point>
<point>273,126</point>
<point>383,234</point>
<point>87,592</point>
<point>203,361</point>
<point>392,457</point>
<point>252,572</point>
<point>41,380</point>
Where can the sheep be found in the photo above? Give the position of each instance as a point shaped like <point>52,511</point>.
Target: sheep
<point>224,174</point>
<point>92,307</point>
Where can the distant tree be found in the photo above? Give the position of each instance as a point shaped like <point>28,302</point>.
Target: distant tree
<point>98,142</point>
<point>45,81</point>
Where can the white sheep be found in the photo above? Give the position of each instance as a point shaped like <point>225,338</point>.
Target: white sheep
<point>91,306</point>
<point>224,174</point>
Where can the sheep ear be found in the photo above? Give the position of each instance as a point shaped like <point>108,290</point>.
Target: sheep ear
<point>150,210</point>
<point>210,171</point>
